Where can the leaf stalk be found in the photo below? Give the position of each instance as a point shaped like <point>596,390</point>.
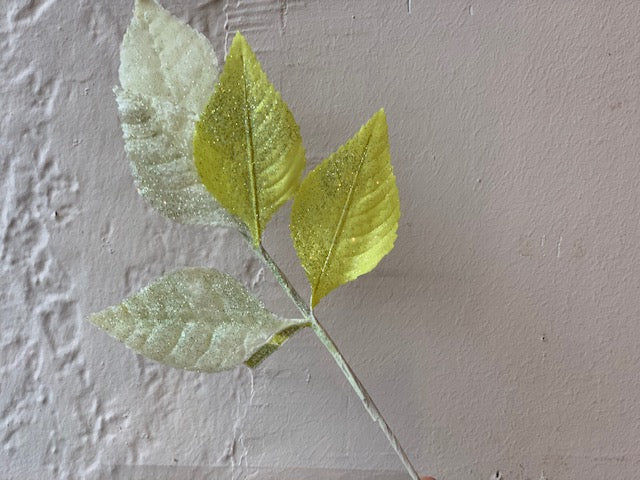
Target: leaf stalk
<point>333,349</point>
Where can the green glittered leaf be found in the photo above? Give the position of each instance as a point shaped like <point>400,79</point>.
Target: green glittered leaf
<point>163,90</point>
<point>197,319</point>
<point>247,146</point>
<point>345,216</point>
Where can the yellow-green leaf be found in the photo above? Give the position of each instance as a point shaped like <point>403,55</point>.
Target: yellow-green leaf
<point>247,146</point>
<point>197,319</point>
<point>345,216</point>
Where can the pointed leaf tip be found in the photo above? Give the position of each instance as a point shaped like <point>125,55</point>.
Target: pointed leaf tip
<point>247,145</point>
<point>152,59</point>
<point>345,216</point>
<point>239,37</point>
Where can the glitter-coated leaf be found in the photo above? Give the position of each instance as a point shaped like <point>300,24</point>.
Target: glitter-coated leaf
<point>345,216</point>
<point>167,72</point>
<point>247,146</point>
<point>163,57</point>
<point>197,319</point>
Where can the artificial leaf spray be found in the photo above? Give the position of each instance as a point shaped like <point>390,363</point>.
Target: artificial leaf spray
<point>233,159</point>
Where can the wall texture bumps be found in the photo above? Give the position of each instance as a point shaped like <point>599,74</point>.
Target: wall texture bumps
<point>499,337</point>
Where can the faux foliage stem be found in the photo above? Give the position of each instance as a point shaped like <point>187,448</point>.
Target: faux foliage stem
<point>330,345</point>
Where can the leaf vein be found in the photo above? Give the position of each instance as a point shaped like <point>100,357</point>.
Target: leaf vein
<point>343,216</point>
<point>250,151</point>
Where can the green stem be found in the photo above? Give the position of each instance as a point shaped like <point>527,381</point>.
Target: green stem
<point>330,345</point>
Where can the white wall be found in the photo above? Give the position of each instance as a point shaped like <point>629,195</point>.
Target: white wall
<point>500,336</point>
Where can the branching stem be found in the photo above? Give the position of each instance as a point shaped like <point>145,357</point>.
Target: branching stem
<point>330,345</point>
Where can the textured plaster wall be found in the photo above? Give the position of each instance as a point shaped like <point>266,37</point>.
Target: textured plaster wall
<point>499,338</point>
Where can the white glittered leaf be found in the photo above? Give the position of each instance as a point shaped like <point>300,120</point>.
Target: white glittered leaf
<point>197,319</point>
<point>167,72</point>
<point>158,143</point>
<point>163,57</point>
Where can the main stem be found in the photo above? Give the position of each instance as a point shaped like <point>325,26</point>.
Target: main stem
<point>330,345</point>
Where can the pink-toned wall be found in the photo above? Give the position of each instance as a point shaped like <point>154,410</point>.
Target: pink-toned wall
<point>499,338</point>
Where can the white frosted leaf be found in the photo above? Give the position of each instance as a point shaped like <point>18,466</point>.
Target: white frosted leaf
<point>197,319</point>
<point>167,72</point>
<point>163,57</point>
<point>157,136</point>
